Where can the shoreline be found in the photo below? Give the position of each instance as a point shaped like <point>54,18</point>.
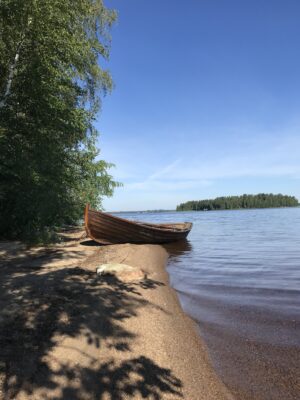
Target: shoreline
<point>80,336</point>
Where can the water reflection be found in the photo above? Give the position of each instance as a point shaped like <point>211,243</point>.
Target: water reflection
<point>178,249</point>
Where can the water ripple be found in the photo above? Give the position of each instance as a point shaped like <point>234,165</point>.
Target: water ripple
<point>239,278</point>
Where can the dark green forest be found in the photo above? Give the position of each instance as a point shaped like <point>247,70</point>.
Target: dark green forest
<point>51,88</point>
<point>260,200</point>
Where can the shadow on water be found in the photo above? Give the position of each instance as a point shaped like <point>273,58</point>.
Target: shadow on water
<point>177,249</point>
<point>39,305</point>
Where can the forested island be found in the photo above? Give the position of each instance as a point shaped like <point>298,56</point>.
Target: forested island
<point>260,200</point>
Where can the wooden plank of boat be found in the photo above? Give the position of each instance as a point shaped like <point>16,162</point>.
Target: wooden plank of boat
<point>108,229</point>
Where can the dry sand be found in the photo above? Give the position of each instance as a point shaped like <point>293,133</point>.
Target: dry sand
<point>66,333</point>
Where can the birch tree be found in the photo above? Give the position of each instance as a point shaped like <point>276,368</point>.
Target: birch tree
<point>51,85</point>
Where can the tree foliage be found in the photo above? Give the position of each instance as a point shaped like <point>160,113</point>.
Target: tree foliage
<point>260,200</point>
<point>50,87</point>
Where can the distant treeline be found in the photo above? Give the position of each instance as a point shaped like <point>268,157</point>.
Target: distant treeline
<point>260,200</point>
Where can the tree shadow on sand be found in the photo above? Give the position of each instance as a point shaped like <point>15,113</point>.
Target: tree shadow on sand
<point>38,305</point>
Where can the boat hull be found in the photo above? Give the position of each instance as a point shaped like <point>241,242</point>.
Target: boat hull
<point>108,229</point>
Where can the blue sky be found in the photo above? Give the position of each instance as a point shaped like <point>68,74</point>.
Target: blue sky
<point>206,101</point>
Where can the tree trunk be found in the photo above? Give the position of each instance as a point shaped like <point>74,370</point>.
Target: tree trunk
<point>13,67</point>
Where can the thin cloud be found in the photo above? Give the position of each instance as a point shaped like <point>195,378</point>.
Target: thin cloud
<point>165,171</point>
<point>277,159</point>
<point>165,185</point>
<point>204,173</point>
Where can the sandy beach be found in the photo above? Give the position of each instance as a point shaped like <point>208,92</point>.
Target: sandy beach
<point>67,333</point>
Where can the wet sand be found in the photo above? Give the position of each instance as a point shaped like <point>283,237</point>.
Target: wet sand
<point>66,333</point>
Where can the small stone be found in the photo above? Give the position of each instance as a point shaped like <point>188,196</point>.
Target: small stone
<point>123,272</point>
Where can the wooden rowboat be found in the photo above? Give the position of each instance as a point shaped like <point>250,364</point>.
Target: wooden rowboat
<point>107,229</point>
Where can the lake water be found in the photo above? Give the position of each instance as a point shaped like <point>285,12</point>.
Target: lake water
<point>238,277</point>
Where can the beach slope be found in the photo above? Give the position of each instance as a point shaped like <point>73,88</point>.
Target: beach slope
<point>67,333</point>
